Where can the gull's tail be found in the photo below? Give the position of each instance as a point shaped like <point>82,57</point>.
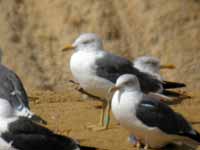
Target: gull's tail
<point>172,85</point>
<point>192,139</point>
<point>171,93</point>
<point>194,136</point>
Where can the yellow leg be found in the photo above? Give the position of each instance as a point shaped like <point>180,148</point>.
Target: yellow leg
<point>146,147</point>
<point>101,126</point>
<point>101,122</point>
<point>107,115</point>
<point>138,145</point>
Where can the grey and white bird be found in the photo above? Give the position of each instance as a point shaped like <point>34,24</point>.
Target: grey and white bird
<point>20,133</point>
<point>151,65</point>
<point>12,89</point>
<point>152,122</point>
<point>97,70</point>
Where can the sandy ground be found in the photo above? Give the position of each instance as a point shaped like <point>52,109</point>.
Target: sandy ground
<point>69,112</point>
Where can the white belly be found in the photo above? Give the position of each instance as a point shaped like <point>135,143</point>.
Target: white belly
<point>124,112</point>
<point>83,70</point>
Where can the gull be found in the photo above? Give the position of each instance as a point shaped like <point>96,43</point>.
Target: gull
<point>12,89</point>
<point>151,65</point>
<point>97,71</point>
<point>152,122</point>
<point>20,133</point>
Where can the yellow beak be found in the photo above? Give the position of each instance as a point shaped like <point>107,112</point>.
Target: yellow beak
<point>68,47</point>
<point>167,66</point>
<point>113,89</point>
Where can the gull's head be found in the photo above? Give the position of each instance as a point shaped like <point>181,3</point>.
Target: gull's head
<point>147,64</point>
<point>6,110</point>
<point>86,41</point>
<point>126,82</point>
<point>150,64</point>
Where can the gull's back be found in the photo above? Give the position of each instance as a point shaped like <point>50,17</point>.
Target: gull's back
<point>11,87</point>
<point>112,66</point>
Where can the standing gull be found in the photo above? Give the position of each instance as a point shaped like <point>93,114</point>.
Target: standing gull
<point>97,70</point>
<point>20,133</point>
<point>11,89</point>
<point>152,122</point>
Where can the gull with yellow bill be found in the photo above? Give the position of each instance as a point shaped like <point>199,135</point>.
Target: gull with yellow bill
<point>151,65</point>
<point>152,122</point>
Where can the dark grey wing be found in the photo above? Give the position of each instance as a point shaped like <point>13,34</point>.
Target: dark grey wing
<point>25,125</point>
<point>26,135</point>
<point>11,88</point>
<point>154,113</point>
<point>111,67</point>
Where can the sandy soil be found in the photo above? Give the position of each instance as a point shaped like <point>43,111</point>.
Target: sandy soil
<point>69,112</point>
<point>32,34</point>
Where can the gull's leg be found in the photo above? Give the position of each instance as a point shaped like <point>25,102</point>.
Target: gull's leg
<point>107,115</point>
<point>146,147</point>
<point>146,142</point>
<point>101,122</point>
<point>76,84</point>
<point>138,145</point>
<point>133,140</point>
<point>105,118</point>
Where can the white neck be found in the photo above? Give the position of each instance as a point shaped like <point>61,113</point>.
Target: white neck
<point>4,122</point>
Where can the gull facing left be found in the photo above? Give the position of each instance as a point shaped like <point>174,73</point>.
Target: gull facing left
<point>151,65</point>
<point>152,122</point>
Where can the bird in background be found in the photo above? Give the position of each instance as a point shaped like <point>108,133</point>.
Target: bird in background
<point>151,65</point>
<point>12,89</point>
<point>97,70</point>
<point>153,123</point>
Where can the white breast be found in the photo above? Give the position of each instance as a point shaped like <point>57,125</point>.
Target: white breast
<point>124,108</point>
<point>5,123</point>
<point>82,65</point>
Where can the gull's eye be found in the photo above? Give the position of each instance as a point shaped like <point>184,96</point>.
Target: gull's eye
<point>154,63</point>
<point>86,42</point>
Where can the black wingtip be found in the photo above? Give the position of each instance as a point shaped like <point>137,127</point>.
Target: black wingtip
<point>171,93</point>
<point>38,119</point>
<point>173,85</point>
<point>194,135</point>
